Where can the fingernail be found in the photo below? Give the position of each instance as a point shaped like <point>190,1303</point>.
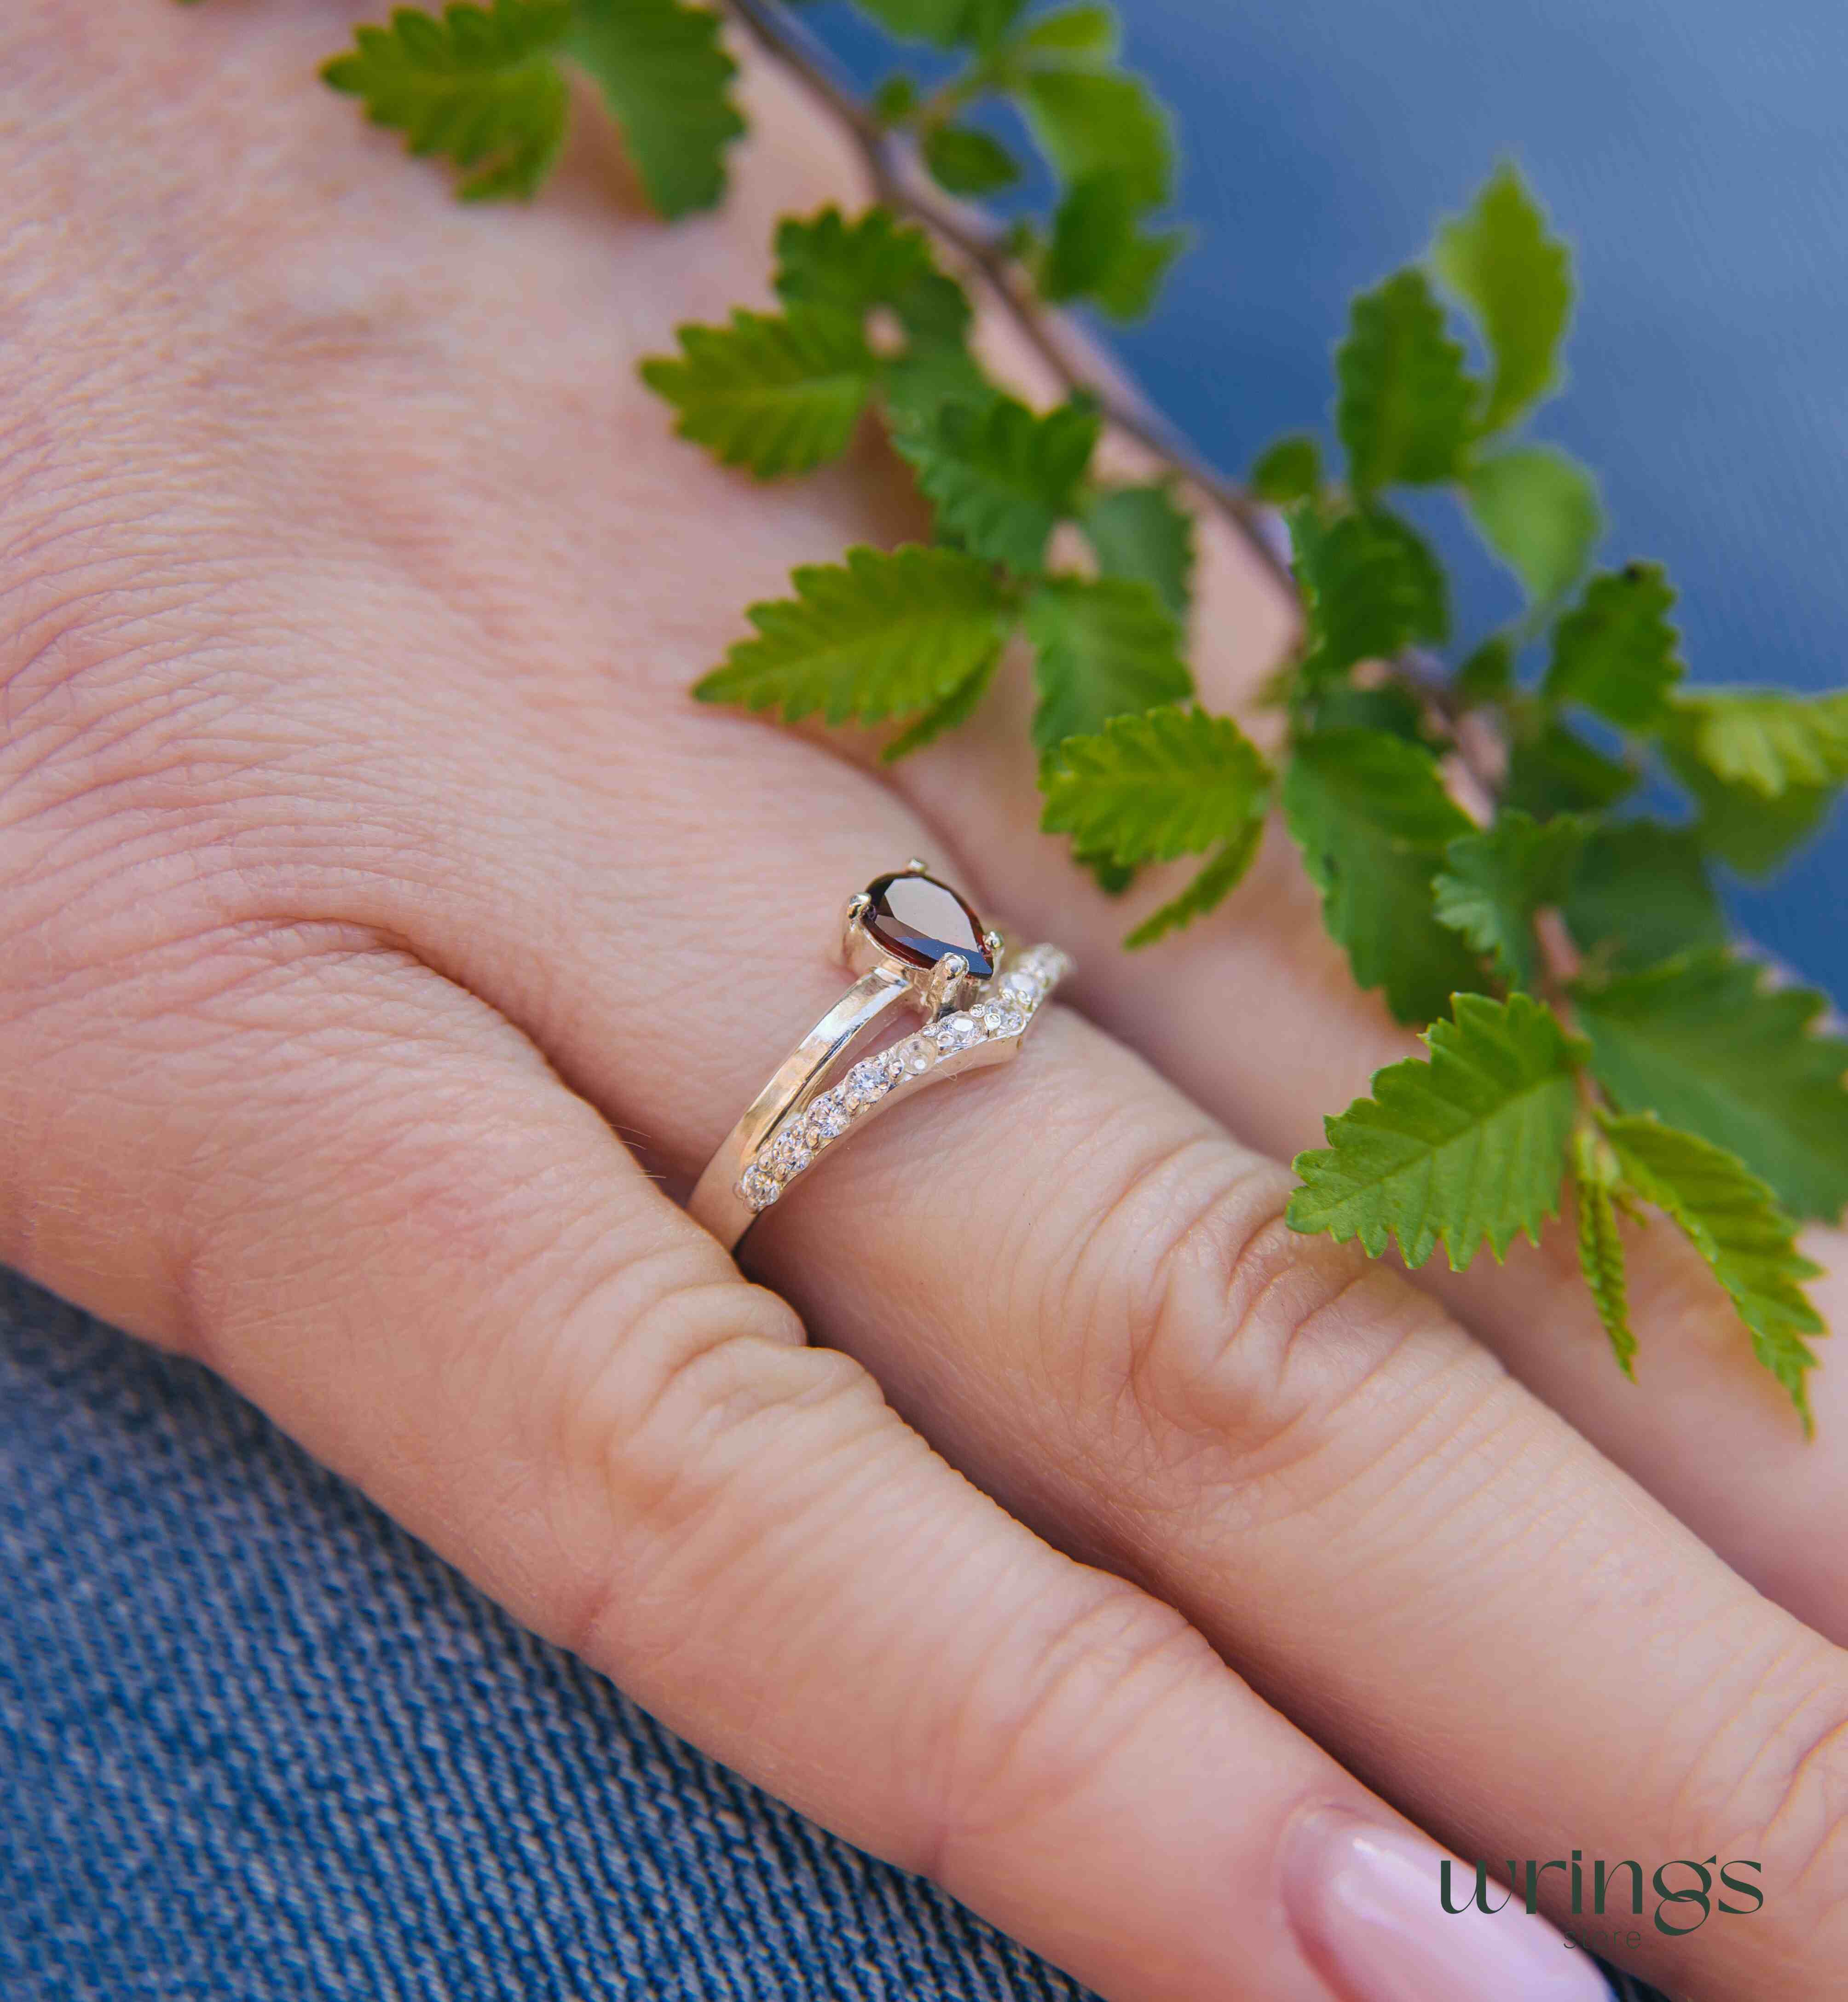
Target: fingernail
<point>1364,1900</point>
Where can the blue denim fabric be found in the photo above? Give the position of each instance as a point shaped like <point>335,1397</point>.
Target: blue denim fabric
<point>258,1745</point>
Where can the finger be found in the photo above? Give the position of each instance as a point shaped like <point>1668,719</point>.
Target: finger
<point>1705,1428</point>
<point>379,1216</point>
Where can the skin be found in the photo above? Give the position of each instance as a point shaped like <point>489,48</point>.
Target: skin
<point>385,942</point>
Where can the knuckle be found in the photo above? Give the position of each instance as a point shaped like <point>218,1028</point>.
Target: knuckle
<point>1046,1716</point>
<point>683,1388</point>
<point>1219,1348</point>
<point>1770,1782</point>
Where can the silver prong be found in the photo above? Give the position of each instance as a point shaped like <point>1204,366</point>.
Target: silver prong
<point>857,906</point>
<point>945,983</point>
<point>917,865</point>
<point>994,945</point>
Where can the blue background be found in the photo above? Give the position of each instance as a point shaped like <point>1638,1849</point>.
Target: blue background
<point>1697,155</point>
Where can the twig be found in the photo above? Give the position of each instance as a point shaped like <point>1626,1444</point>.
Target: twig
<point>986,250</point>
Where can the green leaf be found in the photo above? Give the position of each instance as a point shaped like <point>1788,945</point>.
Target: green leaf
<point>1341,706</point>
<point>1405,403</point>
<point>894,100</point>
<point>1703,1042</point>
<point>1099,250</point>
<point>917,386</point>
<point>779,394</point>
<point>1154,784</point>
<point>1551,769</point>
<point>1642,895</point>
<point>875,261</point>
<point>1615,652</point>
<point>1001,477</point>
<point>1538,508</point>
<point>1373,821</point>
<point>1142,533</point>
<point>1489,672</point>
<point>1500,258</point>
<point>1751,830</point>
<point>478,87</point>
<point>1766,739</point>
<point>945,23</point>
<point>1467,1149</point>
<point>1370,586</point>
<point>1224,872</point>
<point>1090,121</point>
<point>1101,647</point>
<point>951,713</point>
<point>886,634</point>
<point>1085,34</point>
<point>1289,470</point>
<point>966,160</point>
<point>1496,880</point>
<point>1595,1176</point>
<point>1731,1218</point>
<point>668,82</point>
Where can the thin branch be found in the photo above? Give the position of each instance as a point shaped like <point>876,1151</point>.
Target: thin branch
<point>985,249</point>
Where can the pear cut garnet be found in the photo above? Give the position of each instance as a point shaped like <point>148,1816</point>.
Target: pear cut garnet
<point>918,919</point>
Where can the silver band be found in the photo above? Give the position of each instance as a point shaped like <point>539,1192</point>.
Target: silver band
<point>973,1019</point>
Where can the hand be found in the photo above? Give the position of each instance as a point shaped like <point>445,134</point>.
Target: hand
<point>362,865</point>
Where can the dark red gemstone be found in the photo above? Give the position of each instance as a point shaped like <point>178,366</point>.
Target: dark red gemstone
<point>919,919</point>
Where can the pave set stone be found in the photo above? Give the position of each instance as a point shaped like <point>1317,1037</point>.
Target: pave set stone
<point>1004,1011</point>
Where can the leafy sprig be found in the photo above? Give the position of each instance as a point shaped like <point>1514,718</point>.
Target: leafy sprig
<point>1464,803</point>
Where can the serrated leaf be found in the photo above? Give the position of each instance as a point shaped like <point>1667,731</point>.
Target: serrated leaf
<point>1766,739</point>
<point>945,23</point>
<point>1730,1218</point>
<point>1372,818</point>
<point>1502,260</point>
<point>1751,830</point>
<point>668,82</point>
<point>1465,1150</point>
<point>1537,508</point>
<point>1615,652</point>
<point>1101,647</point>
<point>1595,1177</point>
<point>1094,121</point>
<point>1082,34</point>
<point>779,393</point>
<point>1391,707</point>
<point>1404,409</point>
<point>1489,672</point>
<point>1143,533</point>
<point>1099,250</point>
<point>1224,872</point>
<point>966,160</point>
<point>894,100</point>
<point>1001,477</point>
<point>478,86</point>
<point>885,633</point>
<point>1371,585</point>
<point>1551,769</point>
<point>1702,1041</point>
<point>1155,784</point>
<point>918,385</point>
<point>951,713</point>
<point>875,260</point>
<point>1289,470</point>
<point>1496,880</point>
<point>1641,894</point>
